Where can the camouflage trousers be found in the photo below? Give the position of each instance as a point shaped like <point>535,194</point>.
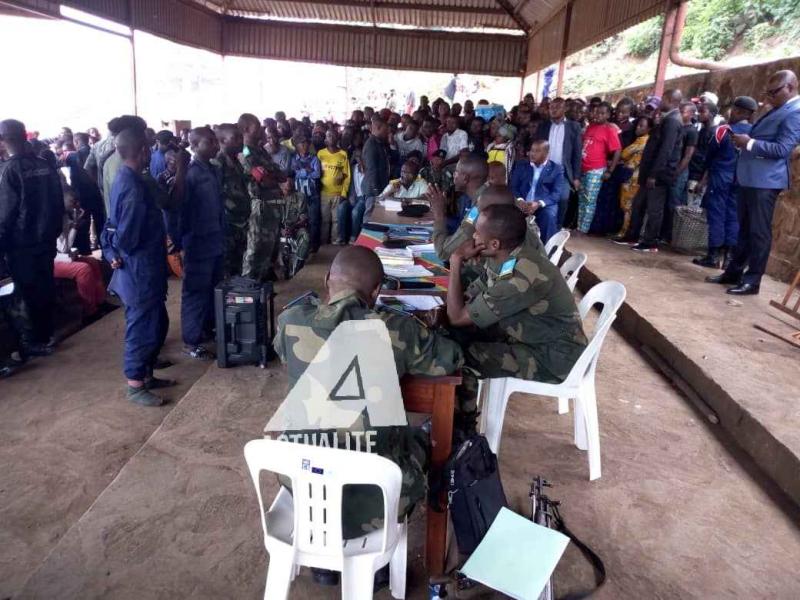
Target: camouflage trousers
<point>362,505</point>
<point>263,236</point>
<point>235,247</point>
<point>500,359</point>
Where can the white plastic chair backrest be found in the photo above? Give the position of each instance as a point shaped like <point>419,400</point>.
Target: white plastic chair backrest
<point>572,268</point>
<point>611,294</point>
<point>554,247</point>
<point>318,475</point>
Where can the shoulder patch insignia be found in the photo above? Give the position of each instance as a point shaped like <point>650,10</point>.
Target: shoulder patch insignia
<point>507,268</point>
<point>472,215</point>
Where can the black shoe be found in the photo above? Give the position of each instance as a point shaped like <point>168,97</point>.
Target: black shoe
<point>724,278</point>
<point>623,241</point>
<point>143,397</point>
<point>7,371</point>
<point>154,383</point>
<point>710,260</point>
<point>325,577</point>
<point>642,247</point>
<point>381,579</point>
<point>38,349</point>
<point>162,363</point>
<point>744,289</point>
<point>198,352</point>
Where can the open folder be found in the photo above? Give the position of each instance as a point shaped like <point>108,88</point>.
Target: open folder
<point>516,557</point>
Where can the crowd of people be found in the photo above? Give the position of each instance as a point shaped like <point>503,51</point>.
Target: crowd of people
<point>258,198</point>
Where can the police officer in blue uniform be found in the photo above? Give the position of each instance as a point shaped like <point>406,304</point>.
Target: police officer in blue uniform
<point>202,239</point>
<point>133,242</point>
<point>720,175</point>
<point>31,212</point>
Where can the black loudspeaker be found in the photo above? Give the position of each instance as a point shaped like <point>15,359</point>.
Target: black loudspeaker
<point>245,317</point>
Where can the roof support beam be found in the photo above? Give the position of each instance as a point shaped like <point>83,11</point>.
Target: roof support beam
<point>509,9</point>
<point>404,6</point>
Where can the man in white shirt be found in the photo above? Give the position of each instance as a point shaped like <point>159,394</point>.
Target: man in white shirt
<point>409,186</point>
<point>454,141</point>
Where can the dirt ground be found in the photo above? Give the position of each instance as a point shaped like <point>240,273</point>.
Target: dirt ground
<point>675,515</point>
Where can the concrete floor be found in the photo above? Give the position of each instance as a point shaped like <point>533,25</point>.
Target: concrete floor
<point>747,376</point>
<point>675,515</point>
<point>66,430</point>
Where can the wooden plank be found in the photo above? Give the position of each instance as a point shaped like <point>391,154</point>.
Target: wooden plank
<point>784,309</point>
<point>789,341</point>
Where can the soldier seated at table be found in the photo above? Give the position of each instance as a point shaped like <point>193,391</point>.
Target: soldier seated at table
<point>517,317</point>
<point>353,284</point>
<point>446,244</point>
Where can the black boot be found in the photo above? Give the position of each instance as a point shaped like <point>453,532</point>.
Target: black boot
<point>727,256</point>
<point>710,260</point>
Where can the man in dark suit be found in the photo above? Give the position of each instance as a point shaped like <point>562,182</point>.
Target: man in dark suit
<point>657,170</point>
<point>564,138</point>
<point>762,172</point>
<point>540,183</point>
<point>376,163</point>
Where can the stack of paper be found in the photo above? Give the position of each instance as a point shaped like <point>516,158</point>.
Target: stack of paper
<point>395,257</point>
<point>411,302</point>
<point>420,249</point>
<point>393,205</point>
<point>516,556</point>
<point>406,272</point>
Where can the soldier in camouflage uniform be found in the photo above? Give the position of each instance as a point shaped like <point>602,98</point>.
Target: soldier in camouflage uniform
<point>266,202</point>
<point>294,226</point>
<point>353,284</point>
<point>236,196</point>
<point>446,244</point>
<point>517,317</point>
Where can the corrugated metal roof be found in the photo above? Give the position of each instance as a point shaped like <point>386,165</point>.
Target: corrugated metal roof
<point>437,14</point>
<point>175,20</point>
<point>595,20</point>
<point>376,47</point>
<point>114,10</point>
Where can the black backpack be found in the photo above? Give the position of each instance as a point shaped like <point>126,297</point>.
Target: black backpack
<point>474,491</point>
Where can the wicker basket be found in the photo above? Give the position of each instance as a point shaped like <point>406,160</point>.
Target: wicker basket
<point>689,229</point>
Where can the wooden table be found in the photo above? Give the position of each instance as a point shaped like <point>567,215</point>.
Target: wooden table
<point>385,217</point>
<point>434,396</point>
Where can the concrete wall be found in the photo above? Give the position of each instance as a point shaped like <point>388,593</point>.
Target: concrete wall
<point>749,81</point>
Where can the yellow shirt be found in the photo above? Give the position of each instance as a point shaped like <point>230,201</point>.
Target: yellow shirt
<point>335,172</point>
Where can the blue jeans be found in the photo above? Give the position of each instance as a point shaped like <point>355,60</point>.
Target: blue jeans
<point>343,218</point>
<point>357,216</point>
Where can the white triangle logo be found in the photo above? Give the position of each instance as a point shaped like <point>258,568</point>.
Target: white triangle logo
<point>343,381</point>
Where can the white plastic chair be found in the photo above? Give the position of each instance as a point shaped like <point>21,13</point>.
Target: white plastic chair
<point>554,247</point>
<point>572,267</point>
<point>579,384</point>
<point>304,527</point>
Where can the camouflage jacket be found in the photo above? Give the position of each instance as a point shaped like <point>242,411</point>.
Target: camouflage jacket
<point>295,209</point>
<point>417,350</point>
<point>445,244</point>
<point>525,300</point>
<point>302,331</point>
<point>234,190</point>
<point>263,175</point>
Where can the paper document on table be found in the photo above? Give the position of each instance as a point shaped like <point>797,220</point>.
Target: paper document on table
<point>407,271</point>
<point>516,557</point>
<point>393,205</point>
<point>418,249</point>
<point>414,301</point>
